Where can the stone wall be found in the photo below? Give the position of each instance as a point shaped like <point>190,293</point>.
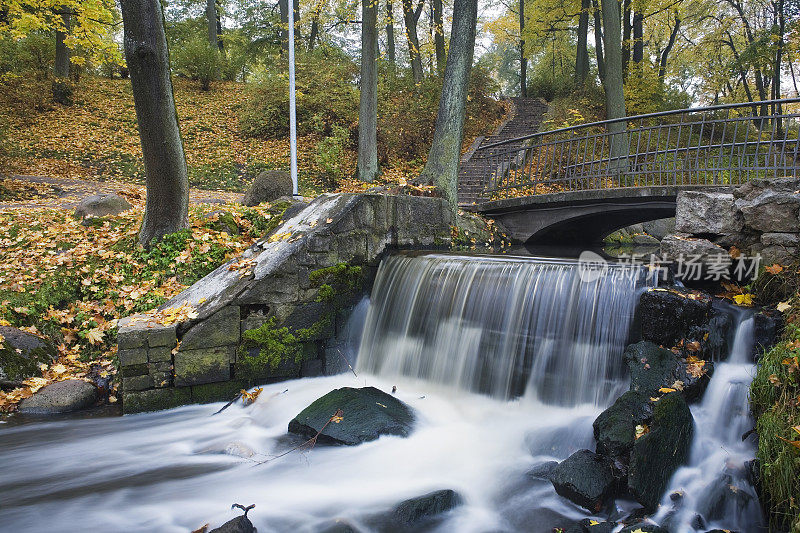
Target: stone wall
<point>760,217</point>
<point>193,348</point>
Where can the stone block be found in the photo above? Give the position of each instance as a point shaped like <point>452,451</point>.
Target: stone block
<point>163,366</point>
<point>133,370</point>
<point>682,245</point>
<point>312,368</point>
<point>155,399</point>
<point>780,239</point>
<point>771,211</point>
<point>207,365</point>
<point>162,379</point>
<point>703,212</point>
<point>352,248</point>
<point>159,354</point>
<point>131,333</point>
<point>130,357</point>
<point>220,329</point>
<point>321,241</point>
<point>345,224</point>
<point>160,335</point>
<point>217,392</point>
<point>137,383</point>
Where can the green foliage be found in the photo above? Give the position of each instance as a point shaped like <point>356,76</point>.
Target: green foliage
<point>161,260</point>
<point>327,95</point>
<point>34,54</point>
<point>276,345</point>
<point>199,60</point>
<point>775,401</point>
<point>330,155</point>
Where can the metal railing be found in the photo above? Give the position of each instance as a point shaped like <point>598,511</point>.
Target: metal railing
<point>719,145</point>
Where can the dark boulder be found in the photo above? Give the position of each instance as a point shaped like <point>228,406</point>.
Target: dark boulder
<point>337,525</point>
<point>657,454</point>
<point>240,524</point>
<point>590,525</point>
<point>615,428</point>
<point>367,414</point>
<point>767,329</point>
<point>695,377</point>
<point>60,397</point>
<point>415,510</point>
<point>543,470</point>
<point>644,528</point>
<point>269,185</point>
<point>101,205</point>
<point>21,353</point>
<point>650,366</point>
<point>667,315</point>
<point>585,478</point>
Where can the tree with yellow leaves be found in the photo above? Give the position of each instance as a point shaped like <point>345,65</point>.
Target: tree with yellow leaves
<point>82,28</point>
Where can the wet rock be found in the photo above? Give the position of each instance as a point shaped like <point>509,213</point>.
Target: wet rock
<point>21,353</point>
<point>101,205</point>
<point>643,527</point>
<point>415,510</point>
<point>337,525</point>
<point>666,315</point>
<point>682,246</point>
<point>704,212</point>
<point>367,413</point>
<point>694,378</point>
<point>269,185</point>
<point>590,525</point>
<point>657,454</point>
<point>543,470</point>
<point>585,478</point>
<point>660,228</point>
<point>767,329</point>
<point>642,239</point>
<point>240,524</point>
<point>651,367</point>
<point>60,397</point>
<point>615,428</point>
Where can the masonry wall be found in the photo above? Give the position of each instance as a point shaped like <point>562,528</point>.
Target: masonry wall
<point>188,351</point>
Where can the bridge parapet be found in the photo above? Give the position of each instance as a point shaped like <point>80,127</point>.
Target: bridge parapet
<point>716,146</point>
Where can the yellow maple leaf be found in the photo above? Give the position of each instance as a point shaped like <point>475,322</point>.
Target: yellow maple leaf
<point>666,390</point>
<point>743,299</point>
<point>95,336</point>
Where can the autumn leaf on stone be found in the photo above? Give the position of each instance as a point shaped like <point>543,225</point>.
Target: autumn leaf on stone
<point>743,299</point>
<point>337,417</point>
<point>641,430</point>
<point>774,269</point>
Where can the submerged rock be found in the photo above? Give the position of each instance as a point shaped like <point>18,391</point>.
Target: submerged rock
<point>543,470</point>
<point>667,315</point>
<point>615,428</point>
<point>767,328</point>
<point>657,454</point>
<point>60,397</point>
<point>416,510</point>
<point>589,525</point>
<point>21,353</point>
<point>644,528</point>
<point>585,478</point>
<point>367,414</point>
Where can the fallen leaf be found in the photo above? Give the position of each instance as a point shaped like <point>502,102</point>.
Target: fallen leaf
<point>783,307</point>
<point>774,269</point>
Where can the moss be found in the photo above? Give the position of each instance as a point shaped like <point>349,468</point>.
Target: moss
<point>774,398</point>
<point>217,392</point>
<point>276,346</point>
<point>315,330</point>
<point>155,399</point>
<point>340,273</point>
<point>18,367</point>
<point>326,293</point>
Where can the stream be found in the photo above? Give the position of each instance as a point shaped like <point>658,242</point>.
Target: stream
<point>506,363</point>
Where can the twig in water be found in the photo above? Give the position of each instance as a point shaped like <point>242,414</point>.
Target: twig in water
<point>238,395</point>
<point>310,443</point>
<point>346,361</point>
<point>243,508</point>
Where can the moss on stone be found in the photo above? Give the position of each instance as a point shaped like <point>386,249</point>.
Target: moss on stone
<point>155,399</point>
<point>340,273</point>
<point>217,392</point>
<point>276,345</point>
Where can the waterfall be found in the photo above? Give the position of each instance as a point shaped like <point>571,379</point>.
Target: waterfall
<point>504,326</point>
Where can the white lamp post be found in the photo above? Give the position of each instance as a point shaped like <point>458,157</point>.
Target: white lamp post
<point>292,107</point>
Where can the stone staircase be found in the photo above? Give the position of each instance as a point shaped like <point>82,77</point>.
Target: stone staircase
<point>526,117</point>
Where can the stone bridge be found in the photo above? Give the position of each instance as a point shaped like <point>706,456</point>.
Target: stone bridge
<point>581,217</point>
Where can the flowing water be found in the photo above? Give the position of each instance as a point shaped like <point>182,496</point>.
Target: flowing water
<point>506,363</point>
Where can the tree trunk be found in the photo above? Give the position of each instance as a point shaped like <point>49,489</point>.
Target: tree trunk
<point>615,96</point>
<point>390,51</point>
<point>598,42</point>
<point>638,37</point>
<point>165,164</point>
<point>61,69</point>
<point>283,6</point>
<point>211,19</point>
<point>582,53</point>
<point>441,167</point>
<point>220,44</point>
<point>626,36</point>
<point>662,63</point>
<point>438,36</point>
<point>523,61</point>
<point>367,169</point>
<point>411,17</point>
<point>314,33</point>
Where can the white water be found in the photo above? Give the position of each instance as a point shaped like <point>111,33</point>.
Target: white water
<point>180,469</point>
<point>714,485</point>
